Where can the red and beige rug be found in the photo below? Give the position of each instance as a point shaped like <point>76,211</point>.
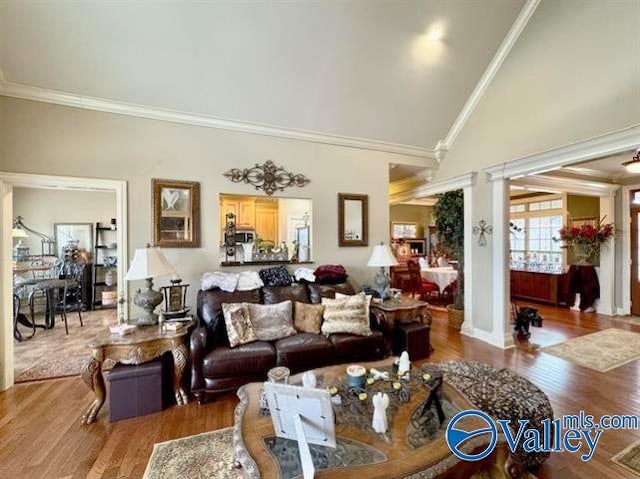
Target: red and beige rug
<point>629,458</point>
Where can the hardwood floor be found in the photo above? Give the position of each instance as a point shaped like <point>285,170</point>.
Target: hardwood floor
<point>41,435</point>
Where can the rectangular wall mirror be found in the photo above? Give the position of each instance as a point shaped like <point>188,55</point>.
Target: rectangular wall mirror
<point>73,235</point>
<point>175,214</point>
<point>353,220</point>
<point>264,229</point>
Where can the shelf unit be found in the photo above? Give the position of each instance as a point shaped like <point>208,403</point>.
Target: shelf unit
<point>99,268</point>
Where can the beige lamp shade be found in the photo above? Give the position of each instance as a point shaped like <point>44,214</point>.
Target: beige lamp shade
<point>19,233</point>
<point>382,256</point>
<point>149,263</point>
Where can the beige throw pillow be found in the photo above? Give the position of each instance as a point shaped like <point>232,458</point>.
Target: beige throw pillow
<point>348,314</point>
<point>272,321</point>
<point>368,296</point>
<point>307,318</point>
<point>238,323</point>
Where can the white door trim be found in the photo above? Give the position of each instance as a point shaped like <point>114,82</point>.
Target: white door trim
<point>7,182</point>
<point>626,249</point>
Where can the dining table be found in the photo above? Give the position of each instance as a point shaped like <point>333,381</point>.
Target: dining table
<point>442,276</point>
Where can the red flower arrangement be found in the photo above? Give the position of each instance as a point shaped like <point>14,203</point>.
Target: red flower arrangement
<point>587,238</point>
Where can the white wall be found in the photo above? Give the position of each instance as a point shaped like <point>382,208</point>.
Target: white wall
<point>51,139</point>
<point>41,208</point>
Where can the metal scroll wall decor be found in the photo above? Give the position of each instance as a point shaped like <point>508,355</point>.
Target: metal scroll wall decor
<point>482,230</point>
<point>268,177</point>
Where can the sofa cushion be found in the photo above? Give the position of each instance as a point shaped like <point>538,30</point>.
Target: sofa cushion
<point>238,324</point>
<point>348,346</point>
<point>275,276</point>
<point>349,314</point>
<point>272,321</point>
<point>278,294</point>
<point>252,358</point>
<point>319,291</point>
<point>303,351</point>
<point>307,318</point>
<point>210,308</point>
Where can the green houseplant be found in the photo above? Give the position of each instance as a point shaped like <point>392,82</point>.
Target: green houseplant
<point>448,213</point>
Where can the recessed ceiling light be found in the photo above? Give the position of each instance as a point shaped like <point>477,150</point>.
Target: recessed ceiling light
<point>435,34</point>
<point>633,166</point>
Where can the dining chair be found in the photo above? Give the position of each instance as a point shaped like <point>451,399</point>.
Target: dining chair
<point>416,284</point>
<point>70,297</point>
<point>19,318</point>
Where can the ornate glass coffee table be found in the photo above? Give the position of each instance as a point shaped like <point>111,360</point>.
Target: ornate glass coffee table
<point>414,446</point>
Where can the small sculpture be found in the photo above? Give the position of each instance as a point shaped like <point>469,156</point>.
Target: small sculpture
<point>379,374</point>
<point>309,380</point>
<point>380,405</point>
<point>405,365</point>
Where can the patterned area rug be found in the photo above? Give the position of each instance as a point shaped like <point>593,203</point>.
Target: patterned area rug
<point>207,455</point>
<point>52,353</point>
<point>635,320</point>
<point>601,351</point>
<point>629,458</point>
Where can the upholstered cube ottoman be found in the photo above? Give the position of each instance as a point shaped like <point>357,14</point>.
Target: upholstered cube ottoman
<point>502,394</point>
<point>135,390</point>
<point>412,338</point>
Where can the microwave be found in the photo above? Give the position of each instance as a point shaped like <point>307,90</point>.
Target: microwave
<point>245,236</point>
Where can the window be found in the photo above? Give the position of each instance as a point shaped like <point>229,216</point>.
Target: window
<point>534,225</point>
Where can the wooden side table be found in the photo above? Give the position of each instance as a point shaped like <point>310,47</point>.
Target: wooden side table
<point>145,344</point>
<point>403,310</point>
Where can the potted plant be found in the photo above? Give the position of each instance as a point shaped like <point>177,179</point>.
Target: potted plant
<point>585,240</point>
<point>449,217</point>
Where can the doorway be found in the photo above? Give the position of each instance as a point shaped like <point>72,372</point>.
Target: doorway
<point>11,181</point>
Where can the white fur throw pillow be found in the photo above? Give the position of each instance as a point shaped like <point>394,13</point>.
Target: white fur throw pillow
<point>348,314</point>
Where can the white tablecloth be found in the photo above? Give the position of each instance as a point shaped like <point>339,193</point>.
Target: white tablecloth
<point>440,276</point>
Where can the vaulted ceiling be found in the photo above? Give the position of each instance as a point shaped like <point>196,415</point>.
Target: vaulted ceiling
<point>357,68</point>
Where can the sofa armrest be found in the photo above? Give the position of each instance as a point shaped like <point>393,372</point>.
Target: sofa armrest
<point>377,321</point>
<point>200,341</point>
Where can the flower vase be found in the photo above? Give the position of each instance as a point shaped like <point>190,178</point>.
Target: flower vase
<point>582,254</point>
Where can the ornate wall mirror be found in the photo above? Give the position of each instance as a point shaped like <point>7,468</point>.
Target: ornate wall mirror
<point>353,220</point>
<point>175,213</point>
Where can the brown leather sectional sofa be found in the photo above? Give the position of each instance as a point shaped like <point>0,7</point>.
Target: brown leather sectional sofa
<point>215,367</point>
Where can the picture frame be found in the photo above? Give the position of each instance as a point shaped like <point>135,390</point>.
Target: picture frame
<point>353,219</point>
<point>81,232</point>
<point>175,213</point>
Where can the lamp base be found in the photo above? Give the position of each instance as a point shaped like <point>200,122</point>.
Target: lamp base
<point>381,284</point>
<point>147,299</point>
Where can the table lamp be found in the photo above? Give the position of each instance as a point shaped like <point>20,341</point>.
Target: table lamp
<point>382,257</point>
<point>148,263</point>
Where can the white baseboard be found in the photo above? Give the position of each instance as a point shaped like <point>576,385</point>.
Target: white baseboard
<point>502,341</point>
<point>623,311</point>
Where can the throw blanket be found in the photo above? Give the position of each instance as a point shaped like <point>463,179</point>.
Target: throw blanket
<point>249,280</point>
<point>218,279</point>
<point>305,274</point>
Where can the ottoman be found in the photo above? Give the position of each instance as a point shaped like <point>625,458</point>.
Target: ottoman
<point>412,338</point>
<point>135,390</point>
<point>503,394</point>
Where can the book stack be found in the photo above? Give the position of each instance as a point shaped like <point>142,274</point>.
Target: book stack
<point>122,329</point>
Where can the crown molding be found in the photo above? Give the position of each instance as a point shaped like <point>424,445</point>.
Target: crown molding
<point>487,77</point>
<point>431,189</point>
<point>411,182</point>
<point>559,184</point>
<point>589,149</point>
<point>25,92</point>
